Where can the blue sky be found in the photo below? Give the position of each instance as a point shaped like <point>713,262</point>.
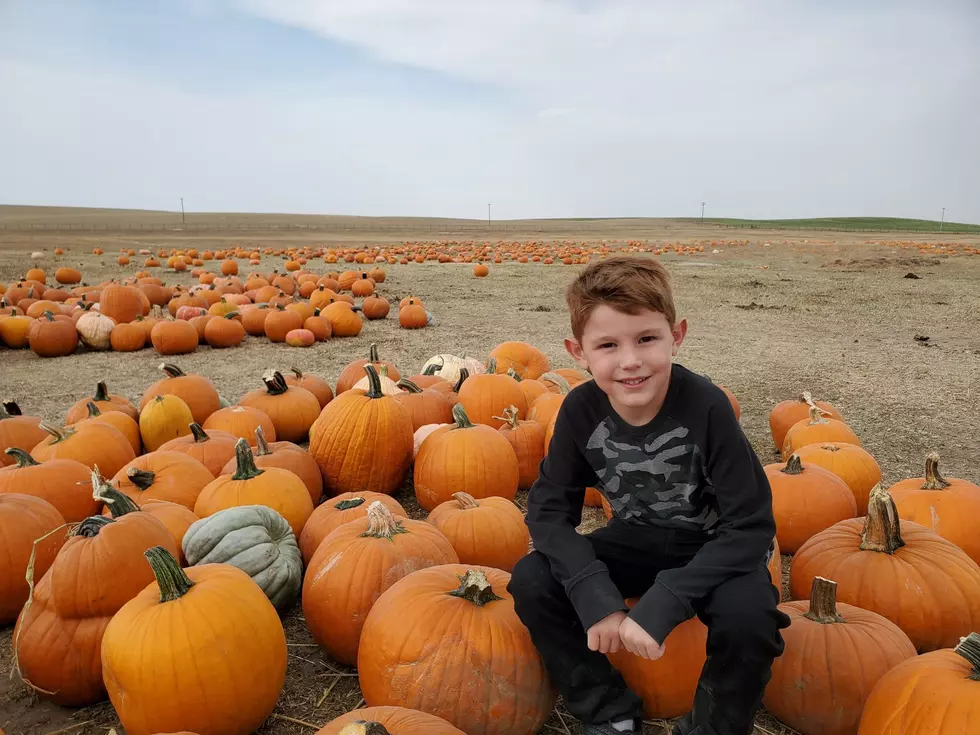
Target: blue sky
<point>545,108</point>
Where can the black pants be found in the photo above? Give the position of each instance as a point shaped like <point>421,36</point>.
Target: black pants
<point>741,615</point>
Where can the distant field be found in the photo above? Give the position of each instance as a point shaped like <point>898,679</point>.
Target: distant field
<point>874,224</point>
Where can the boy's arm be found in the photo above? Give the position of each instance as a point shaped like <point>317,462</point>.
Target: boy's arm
<point>745,532</point>
<point>554,510</point>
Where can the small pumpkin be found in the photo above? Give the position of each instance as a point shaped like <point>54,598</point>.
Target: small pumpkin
<point>241,422</point>
<point>490,531</point>
<point>213,448</point>
<point>313,383</point>
<point>527,439</point>
<point>816,430</point>
<point>225,331</point>
<point>94,445</point>
<point>413,315</point>
<point>355,564</point>
<point>166,629</point>
<point>128,337</point>
<point>174,337</point>
<point>104,401</point>
<point>257,540</point>
<point>51,337</point>
<point>197,391</point>
<point>24,520</point>
<point>340,510</point>
<point>544,407</point>
<point>17,431</point>
<point>278,489</point>
<point>95,330</point>
<point>285,456</point>
<point>163,475</point>
<point>388,721</point>
<point>292,409</point>
<point>61,482</point>
<point>164,418</point>
<point>354,371</point>
<point>786,413</point>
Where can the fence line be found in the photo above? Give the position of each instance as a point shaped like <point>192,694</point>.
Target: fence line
<point>498,228</point>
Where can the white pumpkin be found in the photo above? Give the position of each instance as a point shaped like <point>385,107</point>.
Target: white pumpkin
<point>388,386</point>
<point>422,433</point>
<point>448,366</point>
<point>94,329</point>
<point>257,540</point>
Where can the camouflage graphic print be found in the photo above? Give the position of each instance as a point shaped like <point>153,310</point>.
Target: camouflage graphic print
<point>659,481</point>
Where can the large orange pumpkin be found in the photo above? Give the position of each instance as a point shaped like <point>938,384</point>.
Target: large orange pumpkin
<point>354,371</point>
<point>920,581</point>
<point>527,439</point>
<point>949,507</point>
<point>443,624</point>
<point>340,510</point>
<point>94,445</point>
<point>489,532</point>
<point>62,482</point>
<point>485,397</point>
<point>834,655</point>
<point>212,448</point>
<point>171,625</point>
<point>24,520</point>
<point>851,463</point>
<point>293,409</point>
<point>786,413</point>
<point>241,422</point>
<point>363,441</point>
<point>527,360</point>
<point>937,693</point>
<point>104,401</point>
<point>17,431</point>
<point>285,456</point>
<point>388,721</point>
<point>817,429</point>
<point>355,564</point>
<point>196,391</point>
<point>58,637</point>
<point>464,457</point>
<point>163,475</point>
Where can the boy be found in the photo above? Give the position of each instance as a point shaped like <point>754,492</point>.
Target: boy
<point>692,524</point>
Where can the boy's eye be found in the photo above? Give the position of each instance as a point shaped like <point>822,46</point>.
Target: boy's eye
<point>648,338</point>
<point>604,345</point>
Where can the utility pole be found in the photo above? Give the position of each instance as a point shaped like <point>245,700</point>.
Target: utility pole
<point>182,211</point>
<point>488,215</point>
<point>702,213</point>
<point>943,220</point>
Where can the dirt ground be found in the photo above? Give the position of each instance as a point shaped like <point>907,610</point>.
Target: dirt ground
<point>768,317</point>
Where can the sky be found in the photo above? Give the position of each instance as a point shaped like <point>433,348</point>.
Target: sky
<point>542,108</point>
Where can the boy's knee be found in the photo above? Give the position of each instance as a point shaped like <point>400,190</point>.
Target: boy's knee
<point>531,576</point>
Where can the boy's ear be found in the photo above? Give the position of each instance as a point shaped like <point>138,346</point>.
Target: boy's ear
<point>574,349</point>
<point>678,333</point>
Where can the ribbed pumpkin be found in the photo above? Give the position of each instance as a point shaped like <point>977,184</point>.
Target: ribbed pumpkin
<point>280,322</point>
<point>363,441</point>
<point>786,413</point>
<point>487,396</point>
<point>292,409</point>
<point>175,517</point>
<point>174,337</point>
<point>355,564</point>
<point>119,420</point>
<point>851,463</point>
<point>313,383</point>
<point>527,360</point>
<point>285,456</point>
<point>172,626</point>
<point>834,655</point>
<point>163,418</point>
<point>805,501</point>
<point>340,510</point>
<point>920,581</point>
<point>64,483</point>
<point>354,371</point>
<point>104,401</point>
<point>937,693</point>
<point>532,389</point>
<point>545,406</point>
<point>464,457</point>
<point>17,431</point>
<point>388,721</point>
<point>489,532</point>
<point>527,439</point>
<point>196,391</point>
<point>666,685</point>
<point>25,519</point>
<point>51,336</point>
<point>241,422</point>
<point>58,637</point>
<point>94,445</point>
<point>444,624</point>
<point>212,448</point>
<point>279,489</point>
<point>448,366</point>
<point>424,406</point>
<point>163,475</point>
<point>817,429</point>
<point>949,507</point>
<point>122,303</point>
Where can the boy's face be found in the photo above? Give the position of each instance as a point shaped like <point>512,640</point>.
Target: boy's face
<point>630,357</point>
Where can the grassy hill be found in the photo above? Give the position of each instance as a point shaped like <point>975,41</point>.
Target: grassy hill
<point>874,224</point>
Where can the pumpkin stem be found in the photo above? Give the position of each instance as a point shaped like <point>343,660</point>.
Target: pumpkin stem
<point>431,369</point>
<point>823,602</point>
<point>509,417</point>
<point>23,458</point>
<point>362,727</point>
<point>793,465</point>
<point>171,370</point>
<point>101,391</point>
<point>492,366</point>
<point>143,479</point>
<point>373,353</point>
<point>381,523</point>
<point>93,410</point>
<point>882,530</point>
<point>934,480</point>
<point>261,444</point>
<point>200,435</point>
<point>374,382</point>
<point>274,382</point>
<point>296,371</point>
<point>349,503</point>
<point>464,373</point>
<point>969,648</point>
<point>8,409</point>
<point>90,527</point>
<point>460,417</point>
<point>119,504</point>
<point>563,385</point>
<point>515,375</point>
<point>245,463</point>
<point>466,501</point>
<point>815,416</point>
<point>830,448</point>
<point>474,587</point>
<point>171,579</point>
<point>408,386</point>
<point>59,434</point>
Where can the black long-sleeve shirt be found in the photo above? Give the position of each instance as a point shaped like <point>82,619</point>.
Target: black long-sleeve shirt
<point>691,467</point>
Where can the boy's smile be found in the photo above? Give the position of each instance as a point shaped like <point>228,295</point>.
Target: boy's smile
<point>629,356</point>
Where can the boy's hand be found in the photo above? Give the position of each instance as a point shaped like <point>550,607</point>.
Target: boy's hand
<point>604,635</point>
<point>638,641</point>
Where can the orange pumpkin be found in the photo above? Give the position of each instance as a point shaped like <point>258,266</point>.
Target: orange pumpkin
<point>485,397</point>
<point>490,531</point>
<point>527,439</point>
<point>163,475</point>
<point>849,462</point>
<point>313,383</point>
<point>527,360</point>
<point>24,520</point>
<point>174,337</point>
<point>390,720</point>
<point>786,413</point>
<point>340,510</point>
<point>197,391</point>
<point>213,449</point>
<point>17,431</point>
<point>424,406</point>
<point>94,445</point>
<point>64,483</point>
<point>104,401</point>
<point>817,430</point>
<point>241,422</point>
<point>292,409</point>
<point>354,371</point>
<point>286,456</point>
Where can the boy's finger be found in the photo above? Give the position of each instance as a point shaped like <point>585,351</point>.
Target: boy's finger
<point>593,640</point>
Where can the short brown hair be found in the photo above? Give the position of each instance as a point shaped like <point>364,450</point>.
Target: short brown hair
<point>627,283</point>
